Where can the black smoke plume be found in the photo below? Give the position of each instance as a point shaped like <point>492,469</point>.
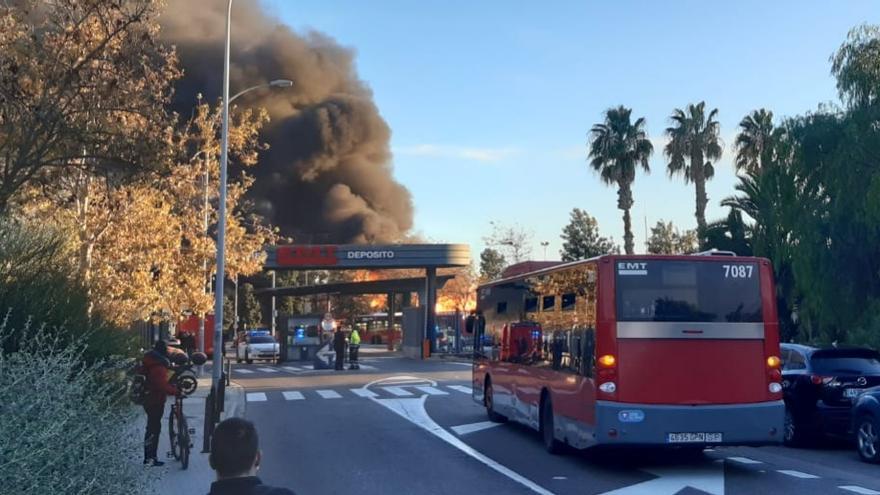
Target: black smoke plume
<point>327,175</point>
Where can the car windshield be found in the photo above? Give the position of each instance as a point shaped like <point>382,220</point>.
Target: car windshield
<point>846,362</point>
<point>262,339</point>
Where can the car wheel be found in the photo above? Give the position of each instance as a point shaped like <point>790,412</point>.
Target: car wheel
<point>551,444</point>
<point>489,401</point>
<point>868,438</point>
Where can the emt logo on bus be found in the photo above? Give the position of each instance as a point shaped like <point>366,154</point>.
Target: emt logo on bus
<point>632,268</point>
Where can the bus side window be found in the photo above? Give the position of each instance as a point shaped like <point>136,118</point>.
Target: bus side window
<point>575,349</point>
<point>476,324</point>
<point>588,360</point>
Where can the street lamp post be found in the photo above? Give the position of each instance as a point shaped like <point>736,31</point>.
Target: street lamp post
<point>545,244</point>
<point>221,221</point>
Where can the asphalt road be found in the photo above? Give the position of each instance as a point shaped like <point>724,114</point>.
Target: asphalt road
<point>404,426</point>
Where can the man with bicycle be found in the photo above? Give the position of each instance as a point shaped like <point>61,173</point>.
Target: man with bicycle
<point>155,366</point>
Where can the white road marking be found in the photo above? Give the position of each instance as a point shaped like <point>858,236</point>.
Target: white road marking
<point>367,367</point>
<point>413,410</point>
<point>470,428</point>
<point>432,390</point>
<point>268,370</point>
<point>256,397</point>
<point>329,394</point>
<point>292,395</point>
<point>797,474</point>
<point>291,368</point>
<point>462,389</point>
<point>744,460</point>
<point>859,489</point>
<point>398,391</point>
<point>243,371</point>
<point>461,364</point>
<point>560,477</point>
<point>362,392</point>
<point>705,477</point>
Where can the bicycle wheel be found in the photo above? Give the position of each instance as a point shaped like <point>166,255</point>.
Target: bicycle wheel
<point>183,442</point>
<point>187,383</point>
<point>173,434</point>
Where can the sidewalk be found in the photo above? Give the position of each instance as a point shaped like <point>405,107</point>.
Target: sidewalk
<point>198,477</point>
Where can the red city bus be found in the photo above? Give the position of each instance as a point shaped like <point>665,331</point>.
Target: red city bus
<point>634,350</point>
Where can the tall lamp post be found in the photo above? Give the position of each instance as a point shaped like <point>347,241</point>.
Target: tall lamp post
<point>221,224</point>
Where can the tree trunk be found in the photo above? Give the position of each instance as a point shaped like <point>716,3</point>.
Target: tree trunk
<point>86,242</point>
<point>701,200</point>
<point>625,202</point>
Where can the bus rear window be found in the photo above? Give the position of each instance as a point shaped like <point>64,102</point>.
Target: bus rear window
<point>697,291</point>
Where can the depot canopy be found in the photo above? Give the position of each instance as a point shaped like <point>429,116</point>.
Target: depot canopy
<point>359,256</point>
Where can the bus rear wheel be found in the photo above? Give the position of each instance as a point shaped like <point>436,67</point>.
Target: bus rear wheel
<point>551,444</point>
<point>489,401</point>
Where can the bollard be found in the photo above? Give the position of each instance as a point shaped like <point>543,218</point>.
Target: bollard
<point>221,398</point>
<point>208,423</point>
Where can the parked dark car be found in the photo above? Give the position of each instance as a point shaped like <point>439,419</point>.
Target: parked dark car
<point>866,425</point>
<point>820,386</point>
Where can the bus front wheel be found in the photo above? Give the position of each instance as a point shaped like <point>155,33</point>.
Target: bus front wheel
<point>489,400</point>
<point>551,444</point>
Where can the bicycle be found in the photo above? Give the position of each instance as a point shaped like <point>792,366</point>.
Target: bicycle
<point>179,432</point>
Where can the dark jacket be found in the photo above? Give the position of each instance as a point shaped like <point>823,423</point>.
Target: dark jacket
<point>155,367</point>
<point>339,341</point>
<point>250,485</point>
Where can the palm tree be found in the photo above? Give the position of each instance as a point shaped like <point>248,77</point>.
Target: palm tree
<point>693,144</point>
<point>730,234</point>
<point>755,141</point>
<point>617,147</point>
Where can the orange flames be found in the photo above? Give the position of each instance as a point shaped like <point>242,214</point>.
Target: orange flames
<point>446,304</point>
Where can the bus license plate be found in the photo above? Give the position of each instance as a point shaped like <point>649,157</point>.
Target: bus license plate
<point>851,393</point>
<point>694,437</point>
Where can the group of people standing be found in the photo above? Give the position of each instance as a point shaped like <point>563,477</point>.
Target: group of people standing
<point>340,341</point>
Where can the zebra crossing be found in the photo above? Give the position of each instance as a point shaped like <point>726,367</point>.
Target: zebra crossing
<point>378,392</point>
<point>253,370</point>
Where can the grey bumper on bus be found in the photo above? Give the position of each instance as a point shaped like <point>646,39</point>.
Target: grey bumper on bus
<point>648,424</point>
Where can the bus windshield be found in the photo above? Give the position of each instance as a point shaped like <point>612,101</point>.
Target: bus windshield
<point>692,291</point>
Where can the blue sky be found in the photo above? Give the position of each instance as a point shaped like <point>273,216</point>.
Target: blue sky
<point>490,102</point>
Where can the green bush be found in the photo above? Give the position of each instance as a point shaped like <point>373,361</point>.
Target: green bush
<point>65,426</point>
<point>38,283</point>
<point>867,333</point>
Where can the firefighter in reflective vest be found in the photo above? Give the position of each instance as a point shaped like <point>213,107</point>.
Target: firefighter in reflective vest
<point>354,344</point>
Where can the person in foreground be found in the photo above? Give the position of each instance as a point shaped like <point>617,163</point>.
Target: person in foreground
<point>235,456</point>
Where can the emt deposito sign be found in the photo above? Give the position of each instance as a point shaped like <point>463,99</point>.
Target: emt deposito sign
<point>344,256</point>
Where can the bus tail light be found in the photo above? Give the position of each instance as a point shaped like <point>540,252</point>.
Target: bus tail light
<point>773,362</point>
<point>775,388</point>
<point>607,361</point>
<point>608,387</point>
<point>775,375</point>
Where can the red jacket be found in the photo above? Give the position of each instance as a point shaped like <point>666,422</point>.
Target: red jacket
<point>156,369</point>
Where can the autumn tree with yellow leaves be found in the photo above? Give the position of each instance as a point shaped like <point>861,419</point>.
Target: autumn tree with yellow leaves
<point>143,247</point>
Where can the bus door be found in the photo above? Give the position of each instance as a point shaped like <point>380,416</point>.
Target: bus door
<point>525,359</point>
